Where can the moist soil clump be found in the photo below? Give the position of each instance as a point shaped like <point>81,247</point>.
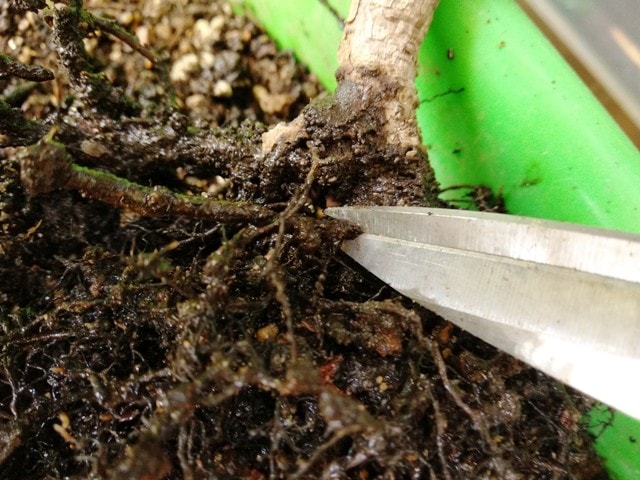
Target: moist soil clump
<point>173,302</point>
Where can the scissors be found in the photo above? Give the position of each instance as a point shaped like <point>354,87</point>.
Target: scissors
<point>563,298</point>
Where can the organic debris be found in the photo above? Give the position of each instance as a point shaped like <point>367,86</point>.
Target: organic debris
<point>173,303</point>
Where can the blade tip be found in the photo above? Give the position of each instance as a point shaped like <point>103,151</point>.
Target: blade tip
<point>340,213</point>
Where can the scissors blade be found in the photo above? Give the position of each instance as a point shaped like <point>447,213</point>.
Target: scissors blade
<point>577,319</point>
<point>594,250</point>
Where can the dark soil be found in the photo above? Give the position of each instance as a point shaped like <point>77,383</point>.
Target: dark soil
<point>173,303</point>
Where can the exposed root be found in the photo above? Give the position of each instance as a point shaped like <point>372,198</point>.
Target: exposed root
<point>48,166</point>
<point>475,417</point>
<point>441,427</point>
<point>11,68</point>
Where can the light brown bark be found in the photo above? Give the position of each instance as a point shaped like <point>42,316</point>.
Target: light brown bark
<point>376,75</point>
<point>378,53</point>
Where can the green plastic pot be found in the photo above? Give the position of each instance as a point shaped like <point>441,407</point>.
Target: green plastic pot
<point>500,107</point>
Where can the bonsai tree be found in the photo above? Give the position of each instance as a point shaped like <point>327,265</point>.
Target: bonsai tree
<point>172,298</point>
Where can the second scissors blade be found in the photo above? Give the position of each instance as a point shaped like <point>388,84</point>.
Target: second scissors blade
<point>592,310</point>
<point>572,325</point>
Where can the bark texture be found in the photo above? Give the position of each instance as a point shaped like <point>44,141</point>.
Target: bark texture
<point>378,54</point>
<point>371,120</point>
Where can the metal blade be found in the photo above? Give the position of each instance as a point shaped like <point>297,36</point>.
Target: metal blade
<point>581,328</point>
<point>588,249</point>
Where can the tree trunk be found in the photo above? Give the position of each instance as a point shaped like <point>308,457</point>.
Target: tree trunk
<point>368,129</point>
<point>378,54</point>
